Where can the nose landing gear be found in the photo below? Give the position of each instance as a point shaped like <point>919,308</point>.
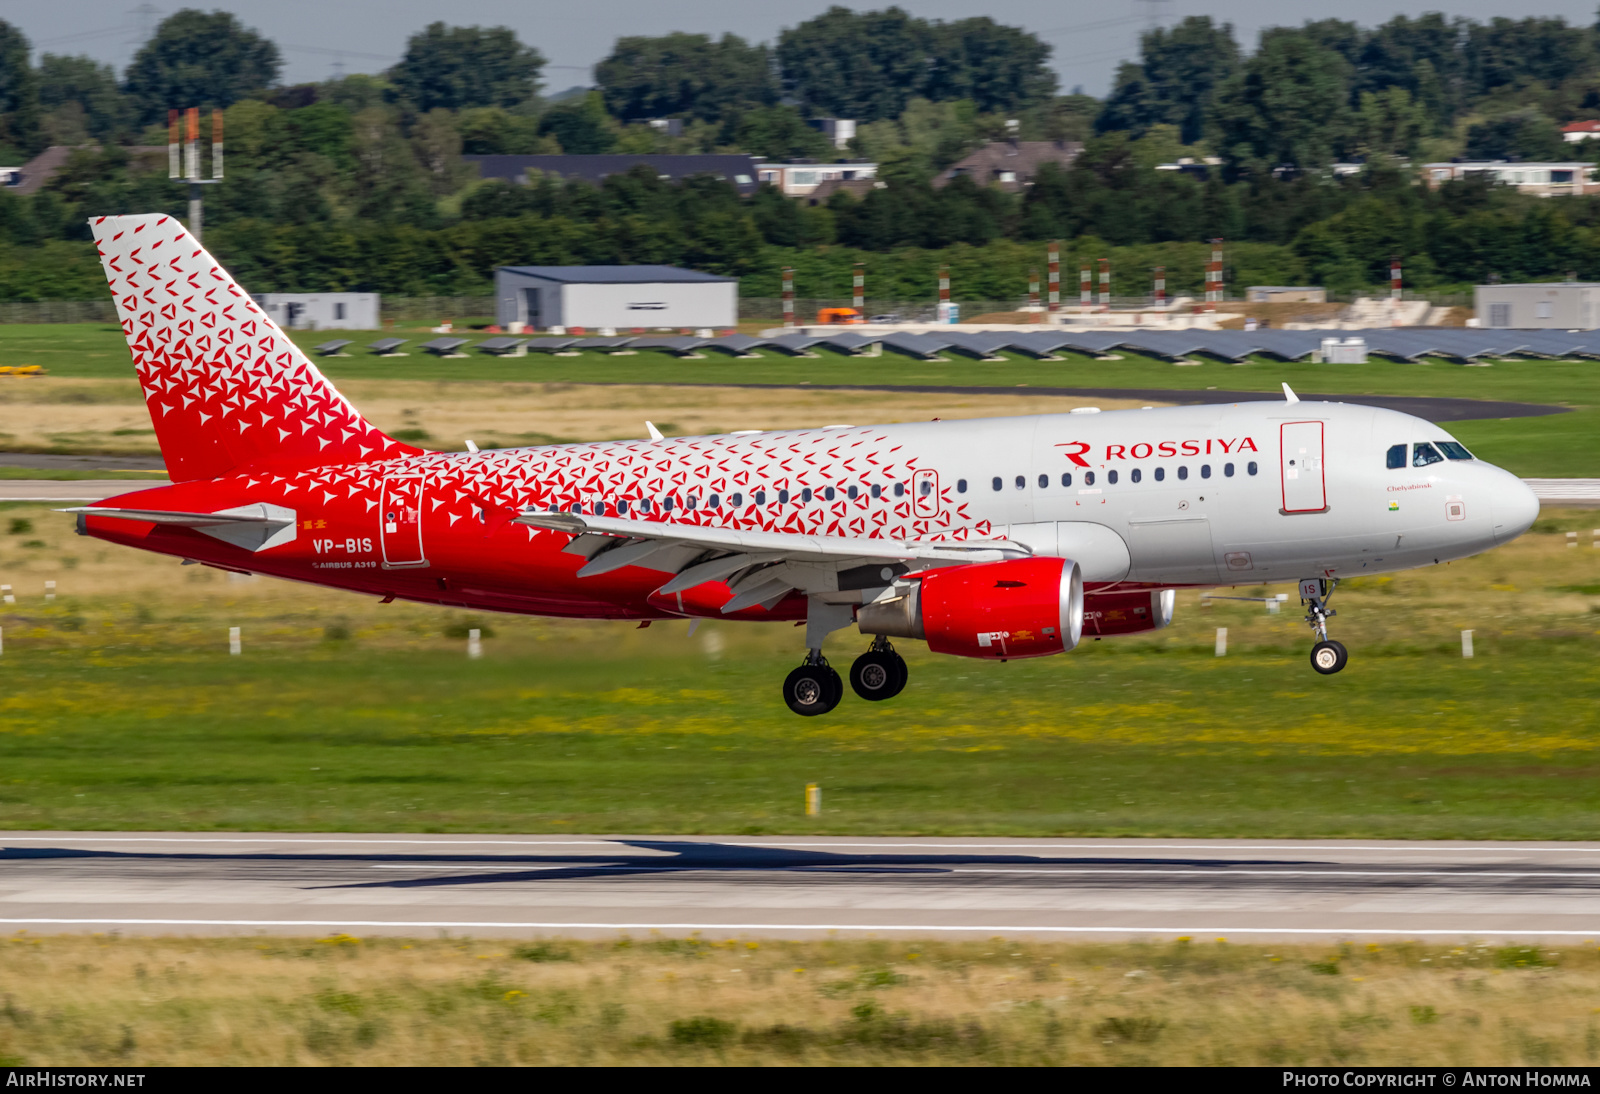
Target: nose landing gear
<point>880,673</point>
<point>1327,656</point>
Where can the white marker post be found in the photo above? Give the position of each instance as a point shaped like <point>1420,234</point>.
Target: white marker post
<point>813,800</point>
<point>1572,539</point>
<point>5,595</point>
<point>235,647</point>
<point>1466,645</point>
<point>49,591</point>
<point>474,643</point>
<point>1222,641</point>
<point>2,640</point>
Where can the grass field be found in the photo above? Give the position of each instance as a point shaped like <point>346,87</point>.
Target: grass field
<point>1550,446</point>
<point>120,708</point>
<point>132,1002</point>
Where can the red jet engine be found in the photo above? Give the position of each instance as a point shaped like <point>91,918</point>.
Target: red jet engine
<point>1127,613</point>
<point>1027,607</point>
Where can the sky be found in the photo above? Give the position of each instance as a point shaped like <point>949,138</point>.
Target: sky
<point>320,38</point>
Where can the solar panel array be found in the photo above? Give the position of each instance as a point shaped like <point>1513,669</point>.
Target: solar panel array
<point>1398,343</point>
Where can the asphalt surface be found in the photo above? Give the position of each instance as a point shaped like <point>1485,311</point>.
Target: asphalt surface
<point>593,886</point>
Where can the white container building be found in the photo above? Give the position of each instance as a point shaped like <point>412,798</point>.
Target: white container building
<point>614,297</point>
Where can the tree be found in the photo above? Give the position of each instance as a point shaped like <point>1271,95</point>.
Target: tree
<point>19,92</point>
<point>1525,134</point>
<point>1290,105</point>
<point>88,89</point>
<point>685,76</point>
<point>580,125</point>
<point>998,68</point>
<point>780,133</point>
<point>1176,79</point>
<point>458,67</point>
<point>196,59</point>
<point>1391,122</point>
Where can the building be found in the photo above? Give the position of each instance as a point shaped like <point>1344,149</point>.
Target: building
<point>1573,132</point>
<point>320,310</point>
<point>1011,164</point>
<point>840,130</point>
<point>800,179</point>
<point>856,188</point>
<point>1540,179</point>
<point>31,176</point>
<point>1286,294</point>
<point>737,169</point>
<point>1564,305</point>
<point>618,297</point>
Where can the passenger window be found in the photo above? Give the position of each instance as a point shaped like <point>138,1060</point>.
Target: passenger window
<point>1066,478</point>
<point>877,491</point>
<point>900,489</point>
<point>961,487</point>
<point>783,497</point>
<point>666,505</point>
<point>1205,471</point>
<point>1111,477</point>
<point>1251,467</point>
<point>1397,456</point>
<point>690,502</point>
<point>997,483</point>
<point>1454,451</point>
<point>1137,475</point>
<point>1044,481</point>
<point>713,502</point>
<point>644,505</point>
<point>1183,473</point>
<point>1161,474</point>
<point>1423,453</point>
<point>1088,478</point>
<point>1021,482</point>
<point>805,494</point>
<point>851,492</point>
<point>926,488</point>
<point>1227,470</point>
<point>828,493</point>
<point>760,497</point>
<point>622,506</point>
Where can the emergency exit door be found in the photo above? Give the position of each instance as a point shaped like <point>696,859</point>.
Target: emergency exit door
<point>1305,488</point>
<point>400,523</point>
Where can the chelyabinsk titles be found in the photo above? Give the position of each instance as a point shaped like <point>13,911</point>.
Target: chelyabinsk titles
<point>994,538</point>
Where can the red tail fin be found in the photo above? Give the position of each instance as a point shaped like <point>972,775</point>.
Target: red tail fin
<point>226,388</point>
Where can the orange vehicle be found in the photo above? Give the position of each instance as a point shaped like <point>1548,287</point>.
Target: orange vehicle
<point>837,316</point>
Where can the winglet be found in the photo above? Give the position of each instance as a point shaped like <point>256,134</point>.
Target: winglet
<point>655,434</point>
<point>1288,393</point>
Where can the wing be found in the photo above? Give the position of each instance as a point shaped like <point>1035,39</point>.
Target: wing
<point>760,567</point>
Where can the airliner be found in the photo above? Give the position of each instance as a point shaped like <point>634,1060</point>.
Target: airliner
<point>994,538</point>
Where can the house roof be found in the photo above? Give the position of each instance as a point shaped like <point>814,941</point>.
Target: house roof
<point>47,164</point>
<point>612,275</point>
<point>1581,127</point>
<point>1022,159</point>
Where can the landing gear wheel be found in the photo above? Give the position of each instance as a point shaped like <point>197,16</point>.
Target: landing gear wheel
<point>1329,657</point>
<point>813,689</point>
<point>878,674</point>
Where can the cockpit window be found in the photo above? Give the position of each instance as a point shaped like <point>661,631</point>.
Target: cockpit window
<point>1423,453</point>
<point>1454,451</point>
<point>1397,456</point>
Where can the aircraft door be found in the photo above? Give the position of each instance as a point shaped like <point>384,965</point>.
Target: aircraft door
<point>400,523</point>
<point>1300,464</point>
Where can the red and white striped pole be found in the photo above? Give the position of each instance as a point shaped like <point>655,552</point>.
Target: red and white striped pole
<point>1161,286</point>
<point>1214,276</point>
<point>1085,292</point>
<point>788,297</point>
<point>944,294</point>
<point>1055,277</point>
<point>1394,279</point>
<point>174,142</point>
<point>1033,289</point>
<point>1105,284</point>
<point>858,297</point>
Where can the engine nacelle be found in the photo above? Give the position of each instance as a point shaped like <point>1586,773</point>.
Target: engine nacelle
<point>1026,607</point>
<point>1127,613</point>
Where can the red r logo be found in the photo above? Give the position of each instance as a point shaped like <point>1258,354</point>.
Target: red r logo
<point>1078,448</point>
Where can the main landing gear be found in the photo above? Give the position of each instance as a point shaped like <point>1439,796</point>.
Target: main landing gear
<point>1327,656</point>
<point>815,687</point>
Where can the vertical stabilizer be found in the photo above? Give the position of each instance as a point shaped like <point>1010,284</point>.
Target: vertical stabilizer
<point>225,386</point>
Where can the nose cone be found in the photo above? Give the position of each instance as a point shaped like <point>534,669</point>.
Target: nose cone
<point>1516,507</point>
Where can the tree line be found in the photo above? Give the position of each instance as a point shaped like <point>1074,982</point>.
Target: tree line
<point>374,162</point>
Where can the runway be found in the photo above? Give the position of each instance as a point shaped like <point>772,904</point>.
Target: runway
<point>599,886</point>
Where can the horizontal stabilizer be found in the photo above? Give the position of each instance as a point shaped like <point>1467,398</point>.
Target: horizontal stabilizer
<point>253,527</point>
